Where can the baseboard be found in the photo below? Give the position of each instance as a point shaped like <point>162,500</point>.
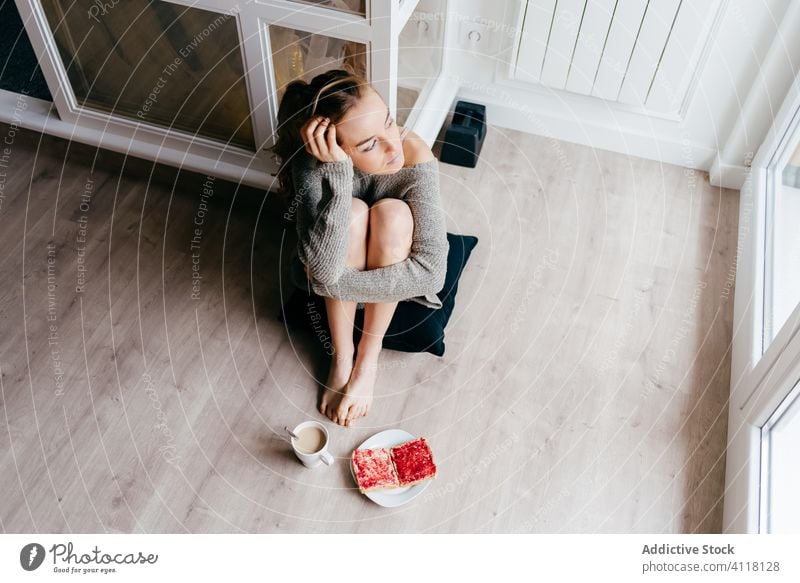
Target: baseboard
<point>727,175</point>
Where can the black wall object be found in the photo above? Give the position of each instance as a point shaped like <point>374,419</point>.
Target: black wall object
<point>464,138</point>
<point>20,69</point>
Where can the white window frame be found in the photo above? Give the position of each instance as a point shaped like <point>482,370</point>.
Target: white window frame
<point>760,379</point>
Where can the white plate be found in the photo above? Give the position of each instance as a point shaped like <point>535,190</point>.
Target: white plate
<point>395,496</point>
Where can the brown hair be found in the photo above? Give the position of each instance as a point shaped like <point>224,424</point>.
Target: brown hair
<point>330,94</point>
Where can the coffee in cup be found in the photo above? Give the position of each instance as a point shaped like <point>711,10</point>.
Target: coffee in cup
<point>311,444</point>
<point>310,439</point>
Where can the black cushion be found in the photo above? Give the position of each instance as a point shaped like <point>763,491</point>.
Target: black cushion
<point>413,328</point>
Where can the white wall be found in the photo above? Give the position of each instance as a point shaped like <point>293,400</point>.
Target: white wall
<point>768,82</point>
<point>723,121</point>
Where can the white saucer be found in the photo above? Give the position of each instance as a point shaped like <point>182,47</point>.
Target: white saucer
<point>394,496</point>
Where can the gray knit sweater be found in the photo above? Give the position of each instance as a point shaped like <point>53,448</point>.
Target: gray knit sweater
<point>324,191</point>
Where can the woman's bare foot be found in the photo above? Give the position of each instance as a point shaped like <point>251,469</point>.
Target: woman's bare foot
<point>338,375</point>
<point>358,391</point>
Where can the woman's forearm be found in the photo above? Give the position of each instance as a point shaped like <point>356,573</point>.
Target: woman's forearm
<point>324,195</point>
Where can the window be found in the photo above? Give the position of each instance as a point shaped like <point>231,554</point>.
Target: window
<point>780,481</point>
<point>782,266</point>
<point>156,62</point>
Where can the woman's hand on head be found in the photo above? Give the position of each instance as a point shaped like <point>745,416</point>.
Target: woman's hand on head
<point>319,136</point>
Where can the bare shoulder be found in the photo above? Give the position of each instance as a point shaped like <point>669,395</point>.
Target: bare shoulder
<point>415,150</point>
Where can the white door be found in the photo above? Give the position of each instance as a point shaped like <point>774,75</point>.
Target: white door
<point>762,476</point>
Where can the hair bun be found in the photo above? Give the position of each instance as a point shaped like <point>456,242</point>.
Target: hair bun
<point>309,91</point>
<point>313,89</point>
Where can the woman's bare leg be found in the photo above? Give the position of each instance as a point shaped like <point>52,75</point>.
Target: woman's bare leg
<point>341,314</point>
<point>391,227</point>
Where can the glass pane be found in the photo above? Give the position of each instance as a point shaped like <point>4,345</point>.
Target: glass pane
<point>155,62</point>
<point>783,477</point>
<point>354,6</point>
<point>302,55</point>
<point>420,54</point>
<point>783,264</point>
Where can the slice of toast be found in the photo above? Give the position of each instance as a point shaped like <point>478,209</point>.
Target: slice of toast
<point>374,469</point>
<point>413,462</point>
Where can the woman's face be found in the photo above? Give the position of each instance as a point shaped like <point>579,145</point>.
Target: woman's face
<point>369,135</point>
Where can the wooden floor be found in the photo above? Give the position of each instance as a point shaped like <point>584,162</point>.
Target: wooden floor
<point>584,387</point>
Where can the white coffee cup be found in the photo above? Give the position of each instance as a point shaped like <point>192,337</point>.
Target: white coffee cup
<point>312,460</point>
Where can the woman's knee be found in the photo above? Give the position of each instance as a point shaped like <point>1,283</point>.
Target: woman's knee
<point>391,228</point>
<point>391,223</point>
<point>359,208</point>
